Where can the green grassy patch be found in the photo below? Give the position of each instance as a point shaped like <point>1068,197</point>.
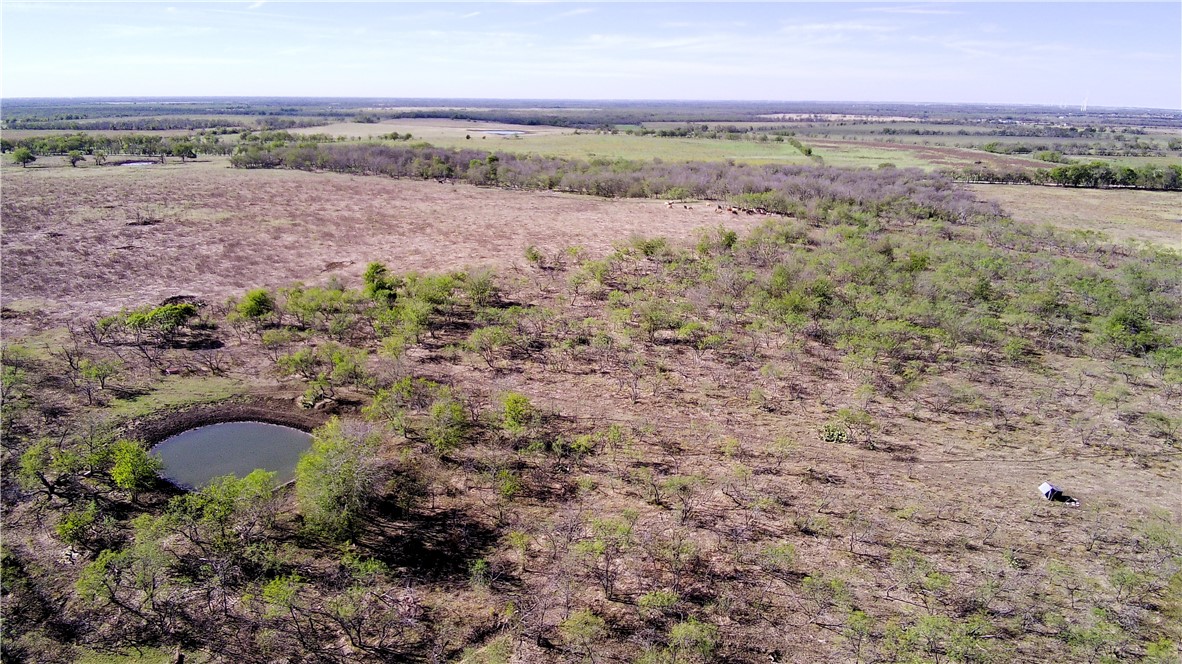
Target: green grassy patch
<point>178,391</point>
<point>144,656</point>
<point>40,345</point>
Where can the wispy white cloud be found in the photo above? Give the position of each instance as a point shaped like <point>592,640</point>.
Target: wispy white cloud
<point>837,27</point>
<point>553,18</point>
<point>712,26</point>
<point>128,31</point>
<point>153,60</point>
<point>919,10</point>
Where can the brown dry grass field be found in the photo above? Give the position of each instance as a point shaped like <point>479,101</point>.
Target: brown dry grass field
<point>212,231</point>
<point>1122,214</point>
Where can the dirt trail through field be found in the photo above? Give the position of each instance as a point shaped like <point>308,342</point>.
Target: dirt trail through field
<point>87,241</point>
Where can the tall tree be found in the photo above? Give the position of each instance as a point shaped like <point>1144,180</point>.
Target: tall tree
<point>23,156</point>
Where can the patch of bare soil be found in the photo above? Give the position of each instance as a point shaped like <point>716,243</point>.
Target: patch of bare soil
<point>72,245</point>
<point>948,156</point>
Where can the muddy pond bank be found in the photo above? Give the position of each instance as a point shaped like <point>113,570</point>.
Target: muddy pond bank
<point>155,428</point>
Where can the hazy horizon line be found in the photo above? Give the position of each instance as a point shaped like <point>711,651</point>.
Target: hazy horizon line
<point>215,97</point>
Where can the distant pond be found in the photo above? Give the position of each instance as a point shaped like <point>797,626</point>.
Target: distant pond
<point>194,457</point>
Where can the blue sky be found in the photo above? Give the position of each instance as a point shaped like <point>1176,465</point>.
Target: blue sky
<point>1111,54</point>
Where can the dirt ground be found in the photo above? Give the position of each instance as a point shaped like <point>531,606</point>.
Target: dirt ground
<point>82,241</point>
<point>940,156</point>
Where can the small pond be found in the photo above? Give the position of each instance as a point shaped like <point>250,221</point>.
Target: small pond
<point>135,164</point>
<point>502,132</point>
<point>194,457</point>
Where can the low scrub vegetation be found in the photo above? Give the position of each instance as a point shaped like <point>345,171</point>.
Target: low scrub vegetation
<point>708,180</point>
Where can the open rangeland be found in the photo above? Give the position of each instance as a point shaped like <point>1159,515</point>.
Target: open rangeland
<point>80,241</point>
<point>1120,214</point>
<point>732,450</point>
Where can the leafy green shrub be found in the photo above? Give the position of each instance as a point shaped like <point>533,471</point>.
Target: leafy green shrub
<point>447,424</point>
<point>337,478</point>
<point>583,629</point>
<point>518,414</point>
<point>658,600</point>
<point>256,304</point>
<point>133,468</point>
<point>76,526</point>
<point>535,257</point>
<point>693,639</point>
<point>835,432</point>
<point>479,573</point>
<point>496,651</point>
<point>1129,329</point>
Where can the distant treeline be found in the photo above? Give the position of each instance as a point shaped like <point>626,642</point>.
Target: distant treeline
<point>157,124</point>
<point>804,191</point>
<point>126,114</point>
<point>1096,175</point>
<point>134,144</point>
<point>1023,130</point>
<point>1122,146</point>
<point>148,144</point>
<point>725,131</point>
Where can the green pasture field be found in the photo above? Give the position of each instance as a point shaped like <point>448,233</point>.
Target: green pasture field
<point>867,150</point>
<point>562,142</point>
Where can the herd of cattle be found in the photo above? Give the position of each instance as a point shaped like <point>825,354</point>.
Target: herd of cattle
<point>719,209</point>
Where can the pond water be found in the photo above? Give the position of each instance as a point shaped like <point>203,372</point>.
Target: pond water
<point>502,132</point>
<point>194,457</point>
<point>137,163</point>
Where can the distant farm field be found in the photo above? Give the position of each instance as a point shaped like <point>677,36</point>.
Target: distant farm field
<point>1122,214</point>
<point>563,142</point>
